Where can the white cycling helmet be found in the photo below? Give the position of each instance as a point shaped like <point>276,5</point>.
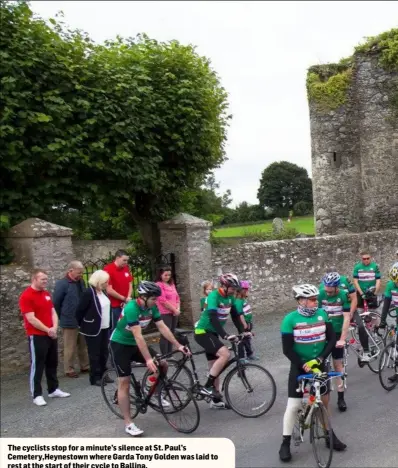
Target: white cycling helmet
<point>305,290</point>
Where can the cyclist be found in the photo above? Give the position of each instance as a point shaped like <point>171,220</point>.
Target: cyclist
<point>334,301</point>
<point>246,317</point>
<point>366,275</point>
<point>307,339</point>
<point>209,329</point>
<point>127,344</point>
<point>390,297</point>
<point>345,284</point>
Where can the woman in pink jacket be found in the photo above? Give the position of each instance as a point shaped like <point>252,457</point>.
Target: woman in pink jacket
<point>168,304</point>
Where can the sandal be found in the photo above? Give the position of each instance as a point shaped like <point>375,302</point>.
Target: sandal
<point>72,374</point>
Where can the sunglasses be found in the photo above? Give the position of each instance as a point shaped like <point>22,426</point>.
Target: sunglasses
<point>365,258</point>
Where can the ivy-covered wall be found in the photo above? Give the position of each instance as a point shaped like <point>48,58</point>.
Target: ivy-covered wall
<point>354,132</point>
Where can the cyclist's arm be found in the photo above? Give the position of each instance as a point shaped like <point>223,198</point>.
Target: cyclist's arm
<point>238,319</point>
<point>386,308</point>
<point>216,324</point>
<point>166,332</point>
<point>353,302</point>
<point>331,341</point>
<point>346,325</point>
<point>288,351</point>
<point>378,286</point>
<point>139,339</point>
<point>357,287</point>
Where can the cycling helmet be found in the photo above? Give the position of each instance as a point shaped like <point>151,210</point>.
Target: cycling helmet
<point>393,273</point>
<point>230,280</point>
<point>305,290</point>
<point>149,289</point>
<point>331,279</point>
<point>244,284</point>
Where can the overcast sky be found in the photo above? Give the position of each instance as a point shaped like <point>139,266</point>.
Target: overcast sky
<point>261,50</point>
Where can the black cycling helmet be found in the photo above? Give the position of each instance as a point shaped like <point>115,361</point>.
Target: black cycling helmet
<point>149,289</point>
<point>230,280</point>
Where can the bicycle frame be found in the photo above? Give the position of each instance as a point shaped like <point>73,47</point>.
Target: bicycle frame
<point>314,400</point>
<point>233,360</point>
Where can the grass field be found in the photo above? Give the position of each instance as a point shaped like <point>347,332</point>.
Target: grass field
<point>304,225</point>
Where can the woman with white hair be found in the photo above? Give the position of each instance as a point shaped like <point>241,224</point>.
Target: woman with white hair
<point>93,317</point>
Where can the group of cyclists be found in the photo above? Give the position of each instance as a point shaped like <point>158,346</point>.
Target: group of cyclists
<point>315,330</point>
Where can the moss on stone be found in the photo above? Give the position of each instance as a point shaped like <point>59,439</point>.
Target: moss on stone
<point>328,91</point>
<point>385,45</point>
<point>327,85</point>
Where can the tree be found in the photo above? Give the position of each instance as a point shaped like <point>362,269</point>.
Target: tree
<point>129,126</point>
<point>282,185</point>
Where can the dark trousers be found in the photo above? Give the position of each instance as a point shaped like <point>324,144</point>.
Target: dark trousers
<point>245,346</point>
<point>115,314</point>
<point>97,347</point>
<point>43,358</point>
<point>171,321</point>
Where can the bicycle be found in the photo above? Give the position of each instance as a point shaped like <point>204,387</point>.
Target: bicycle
<point>311,412</point>
<point>241,379</point>
<point>172,397</point>
<point>389,359</point>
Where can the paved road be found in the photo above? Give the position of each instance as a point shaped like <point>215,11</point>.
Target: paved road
<point>369,427</point>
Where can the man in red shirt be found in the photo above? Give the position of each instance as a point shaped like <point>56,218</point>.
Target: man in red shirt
<point>120,286</point>
<point>41,325</point>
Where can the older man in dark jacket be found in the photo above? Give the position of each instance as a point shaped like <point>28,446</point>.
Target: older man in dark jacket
<point>66,298</point>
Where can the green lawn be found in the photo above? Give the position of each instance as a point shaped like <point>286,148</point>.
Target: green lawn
<point>304,225</point>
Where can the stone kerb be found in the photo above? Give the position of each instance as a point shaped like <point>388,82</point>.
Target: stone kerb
<point>39,244</point>
<point>188,237</point>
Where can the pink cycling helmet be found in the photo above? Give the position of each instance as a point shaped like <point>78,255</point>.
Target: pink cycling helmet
<point>244,284</point>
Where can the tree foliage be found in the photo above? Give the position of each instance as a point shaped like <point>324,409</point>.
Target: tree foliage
<point>127,127</point>
<point>283,185</point>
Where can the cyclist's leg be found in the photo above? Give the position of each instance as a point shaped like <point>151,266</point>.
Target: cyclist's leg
<point>122,356</point>
<point>218,354</point>
<point>338,355</point>
<point>363,336</point>
<point>289,418</point>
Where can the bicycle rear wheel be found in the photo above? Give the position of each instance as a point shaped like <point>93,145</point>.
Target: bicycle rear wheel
<point>388,367</point>
<point>250,390</point>
<point>321,436</point>
<point>178,406</point>
<point>109,393</point>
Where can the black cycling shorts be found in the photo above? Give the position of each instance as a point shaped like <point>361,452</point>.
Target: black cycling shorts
<point>123,355</point>
<point>337,353</point>
<point>293,384</point>
<point>211,343</point>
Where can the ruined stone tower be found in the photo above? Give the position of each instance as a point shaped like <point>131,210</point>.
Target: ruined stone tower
<point>354,134</point>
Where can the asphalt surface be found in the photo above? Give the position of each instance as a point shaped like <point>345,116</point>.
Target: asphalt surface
<point>369,427</point>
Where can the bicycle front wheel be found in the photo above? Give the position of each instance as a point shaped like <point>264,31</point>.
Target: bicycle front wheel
<point>178,406</point>
<point>376,346</point>
<point>176,371</point>
<point>388,367</point>
<point>321,436</point>
<point>109,387</point>
<point>250,390</point>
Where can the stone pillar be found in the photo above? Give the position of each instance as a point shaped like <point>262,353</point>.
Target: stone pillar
<point>188,238</point>
<point>39,244</point>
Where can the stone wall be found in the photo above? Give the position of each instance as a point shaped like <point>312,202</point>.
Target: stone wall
<point>274,267</point>
<point>355,155</point>
<point>96,249</point>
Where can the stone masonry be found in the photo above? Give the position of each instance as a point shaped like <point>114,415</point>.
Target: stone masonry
<point>355,155</point>
<point>36,243</point>
<point>188,238</point>
<point>274,267</point>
